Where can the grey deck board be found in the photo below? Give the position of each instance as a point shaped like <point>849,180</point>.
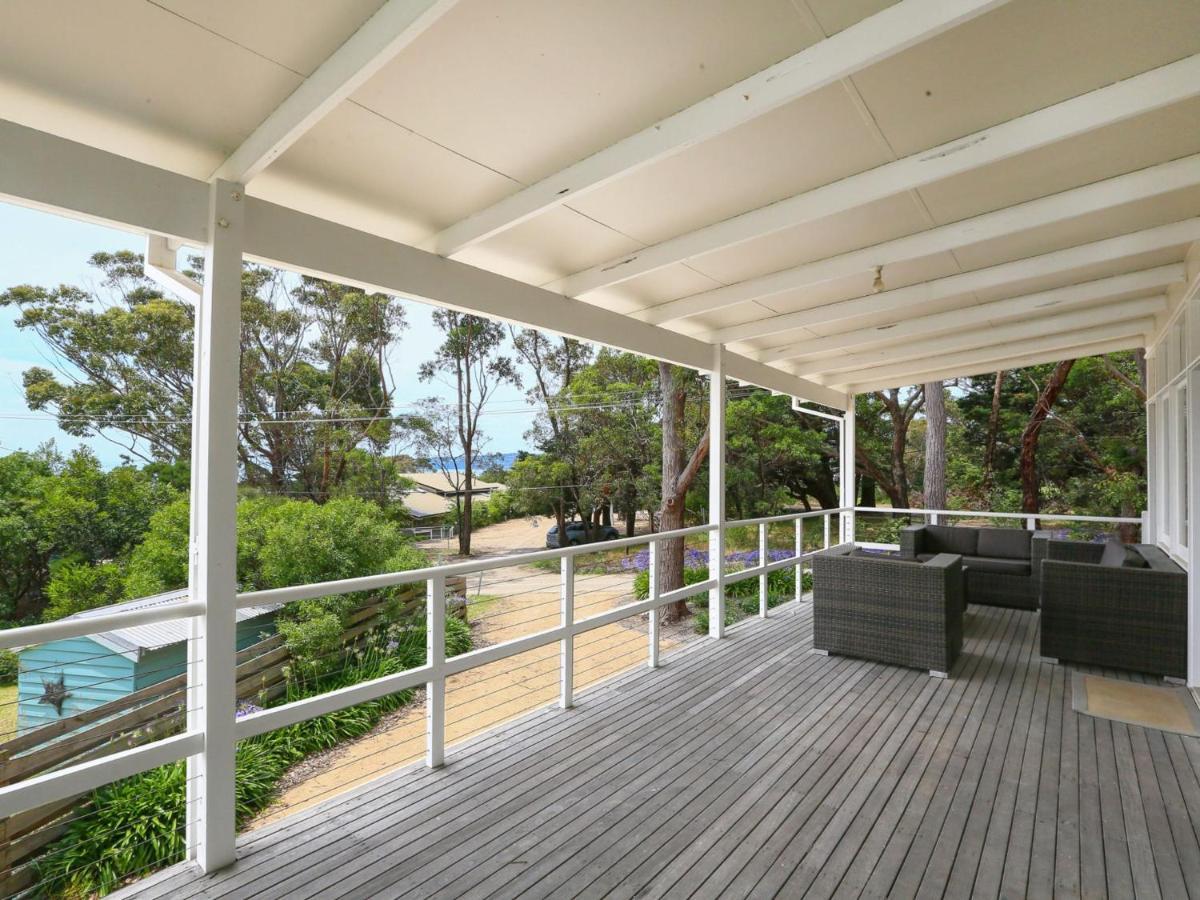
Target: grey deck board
<point>750,767</point>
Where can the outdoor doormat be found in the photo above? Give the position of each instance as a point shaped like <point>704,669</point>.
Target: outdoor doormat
<point>1148,705</point>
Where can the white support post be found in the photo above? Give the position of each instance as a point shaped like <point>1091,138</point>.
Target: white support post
<point>799,560</point>
<point>1193,538</point>
<point>825,519</point>
<point>435,688</point>
<point>716,493</point>
<point>763,580</point>
<point>934,518</point>
<point>655,611</point>
<point>1151,514</point>
<point>212,575</point>
<point>566,647</point>
<point>847,472</point>
<point>1031,523</point>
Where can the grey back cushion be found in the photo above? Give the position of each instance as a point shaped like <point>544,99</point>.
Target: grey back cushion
<point>1114,554</point>
<point>947,539</point>
<point>1005,543</point>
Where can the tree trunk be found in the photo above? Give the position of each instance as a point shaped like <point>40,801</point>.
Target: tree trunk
<point>670,516</point>
<point>868,491</point>
<point>935,445</point>
<point>1030,486</point>
<point>630,522</point>
<point>993,430</point>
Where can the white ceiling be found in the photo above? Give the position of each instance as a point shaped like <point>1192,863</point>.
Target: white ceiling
<point>498,94</point>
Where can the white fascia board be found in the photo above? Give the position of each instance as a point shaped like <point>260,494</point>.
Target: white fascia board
<point>992,360</point>
<point>1088,293</point>
<point>863,44</point>
<point>376,43</point>
<point>69,178</point>
<point>1014,333</point>
<point>899,299</point>
<point>1145,184</point>
<point>1155,89</point>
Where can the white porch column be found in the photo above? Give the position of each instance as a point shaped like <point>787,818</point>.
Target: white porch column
<point>1193,507</point>
<point>716,493</point>
<point>213,573</point>
<point>1151,513</point>
<point>846,469</point>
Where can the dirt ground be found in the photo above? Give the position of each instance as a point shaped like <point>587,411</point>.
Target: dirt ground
<point>503,604</point>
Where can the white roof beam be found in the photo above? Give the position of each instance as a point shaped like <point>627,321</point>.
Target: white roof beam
<point>901,299</point>
<point>376,43</point>
<point>1013,333</point>
<point>1145,184</point>
<point>905,330</point>
<point>940,370</point>
<point>867,42</point>
<point>1134,96</point>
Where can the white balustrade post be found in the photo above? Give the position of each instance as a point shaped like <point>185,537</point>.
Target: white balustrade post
<point>655,610</point>
<point>716,494</point>
<point>799,560</point>
<point>826,520</point>
<point>934,519</point>
<point>763,580</point>
<point>846,470</point>
<point>1031,523</point>
<point>566,647</point>
<point>435,655</point>
<point>212,575</point>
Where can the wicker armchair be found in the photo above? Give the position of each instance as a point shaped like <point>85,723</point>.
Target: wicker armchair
<point>1114,616</point>
<point>889,610</point>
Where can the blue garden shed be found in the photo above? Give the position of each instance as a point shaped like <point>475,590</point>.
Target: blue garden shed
<point>61,678</point>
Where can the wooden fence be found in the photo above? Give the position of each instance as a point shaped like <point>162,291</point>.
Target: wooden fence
<point>138,718</point>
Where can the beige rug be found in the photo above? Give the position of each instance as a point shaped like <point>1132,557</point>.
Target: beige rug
<point>1165,708</point>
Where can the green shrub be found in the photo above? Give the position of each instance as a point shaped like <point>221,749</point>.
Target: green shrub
<point>137,825</point>
<point>75,587</point>
<point>10,667</point>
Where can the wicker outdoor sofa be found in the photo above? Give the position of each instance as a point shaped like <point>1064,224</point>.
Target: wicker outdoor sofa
<point>1115,605</point>
<point>891,610</point>
<point>1001,563</point>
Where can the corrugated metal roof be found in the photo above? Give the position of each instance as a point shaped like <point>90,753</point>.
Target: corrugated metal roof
<point>422,505</point>
<point>132,641</point>
<point>437,481</point>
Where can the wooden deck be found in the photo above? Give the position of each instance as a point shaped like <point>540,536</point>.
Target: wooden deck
<point>752,767</point>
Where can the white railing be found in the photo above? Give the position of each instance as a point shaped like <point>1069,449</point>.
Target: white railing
<point>74,780</point>
<point>1031,520</point>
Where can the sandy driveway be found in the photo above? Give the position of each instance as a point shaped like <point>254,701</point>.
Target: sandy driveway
<point>502,605</point>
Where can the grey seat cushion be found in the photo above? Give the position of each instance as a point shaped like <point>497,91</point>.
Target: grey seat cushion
<point>1005,543</point>
<point>998,566</point>
<point>947,539</point>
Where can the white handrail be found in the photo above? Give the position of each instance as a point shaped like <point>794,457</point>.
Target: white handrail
<point>787,517</point>
<point>966,513</point>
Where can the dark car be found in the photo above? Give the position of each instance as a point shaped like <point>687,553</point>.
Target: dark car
<point>580,533</point>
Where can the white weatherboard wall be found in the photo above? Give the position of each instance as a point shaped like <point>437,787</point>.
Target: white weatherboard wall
<point>1173,443</point>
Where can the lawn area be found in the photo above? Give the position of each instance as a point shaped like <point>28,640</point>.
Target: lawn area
<point>8,711</point>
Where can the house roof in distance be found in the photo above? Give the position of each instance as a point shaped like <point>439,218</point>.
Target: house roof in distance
<point>439,483</point>
<point>425,504</point>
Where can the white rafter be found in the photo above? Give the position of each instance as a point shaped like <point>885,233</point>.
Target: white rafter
<point>1145,184</point>
<point>1087,293</point>
<point>1092,342</point>
<point>1021,333</point>
<point>1109,105</point>
<point>901,299</point>
<point>376,43</point>
<point>861,45</point>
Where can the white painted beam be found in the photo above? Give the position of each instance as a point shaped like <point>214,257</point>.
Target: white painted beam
<point>905,330</point>
<point>861,45</point>
<point>159,267</point>
<point>284,237</point>
<point>940,370</point>
<point>1109,105</point>
<point>902,299</point>
<point>69,178</point>
<point>1018,334</point>
<point>1136,186</point>
<point>376,43</point>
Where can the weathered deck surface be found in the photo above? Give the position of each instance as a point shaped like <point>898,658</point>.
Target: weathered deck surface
<point>751,767</point>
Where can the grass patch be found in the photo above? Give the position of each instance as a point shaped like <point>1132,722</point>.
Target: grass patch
<point>8,712</point>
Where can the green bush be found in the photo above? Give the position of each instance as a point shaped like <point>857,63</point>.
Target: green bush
<point>137,825</point>
<point>75,587</point>
<point>10,667</point>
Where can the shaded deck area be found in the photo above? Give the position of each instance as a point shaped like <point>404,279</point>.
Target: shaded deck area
<point>752,767</point>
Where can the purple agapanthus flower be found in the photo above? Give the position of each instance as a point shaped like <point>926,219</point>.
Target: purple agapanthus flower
<point>245,708</point>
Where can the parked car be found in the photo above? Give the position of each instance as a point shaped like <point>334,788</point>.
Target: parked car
<point>578,533</point>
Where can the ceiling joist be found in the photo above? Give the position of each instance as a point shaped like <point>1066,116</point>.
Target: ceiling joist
<point>902,299</point>
<point>861,45</point>
<point>1155,89</point>
<point>1087,293</point>
<point>376,43</point>
<point>1146,184</point>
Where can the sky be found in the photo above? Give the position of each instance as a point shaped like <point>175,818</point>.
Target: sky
<point>43,249</point>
